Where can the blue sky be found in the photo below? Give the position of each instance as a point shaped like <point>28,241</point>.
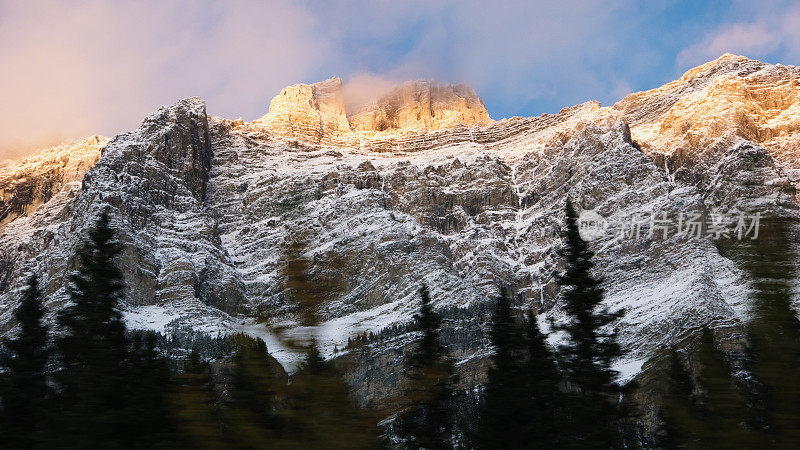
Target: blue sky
<point>76,68</point>
<point>527,58</point>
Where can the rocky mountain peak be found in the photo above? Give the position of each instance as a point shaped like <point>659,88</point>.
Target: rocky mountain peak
<point>420,106</point>
<point>417,185</point>
<point>307,112</point>
<point>175,139</point>
<point>710,107</point>
<point>644,106</point>
<point>31,181</point>
<point>318,112</point>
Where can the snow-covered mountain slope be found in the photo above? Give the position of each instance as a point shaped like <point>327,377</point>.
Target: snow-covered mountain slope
<point>383,200</point>
<point>29,182</point>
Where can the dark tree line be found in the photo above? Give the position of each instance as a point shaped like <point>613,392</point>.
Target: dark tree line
<point>568,397</point>
<point>91,384</point>
<point>107,387</point>
<point>710,402</point>
<point>26,395</point>
<point>98,386</point>
<point>534,397</point>
<point>112,389</point>
<point>428,421</point>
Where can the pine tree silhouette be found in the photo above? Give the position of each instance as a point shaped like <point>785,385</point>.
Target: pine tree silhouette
<point>148,377</point>
<point>722,405</point>
<point>250,417</point>
<point>683,425</point>
<point>543,392</point>
<point>307,294</point>
<point>504,405</point>
<point>594,418</point>
<point>112,391</point>
<point>520,396</point>
<point>93,348</point>
<point>321,413</point>
<point>194,409</point>
<point>25,394</point>
<point>774,332</point>
<point>427,422</point>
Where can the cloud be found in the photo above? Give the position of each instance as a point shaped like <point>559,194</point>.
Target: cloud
<point>513,53</point>
<point>620,90</point>
<point>772,30</point>
<point>92,66</point>
<point>75,68</point>
<point>362,88</point>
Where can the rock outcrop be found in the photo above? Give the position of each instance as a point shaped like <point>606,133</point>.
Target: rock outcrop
<point>422,106</point>
<point>716,105</point>
<point>153,182</point>
<point>316,114</point>
<point>27,183</point>
<point>308,113</point>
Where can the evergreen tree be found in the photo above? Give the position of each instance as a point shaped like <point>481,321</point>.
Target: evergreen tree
<point>709,411</point>
<point>520,396</point>
<point>93,348</point>
<point>504,403</point>
<point>148,379</point>
<point>595,419</point>
<point>26,397</point>
<point>194,409</point>
<point>722,405</point>
<point>320,412</point>
<point>307,294</point>
<point>762,410</point>
<point>112,391</point>
<point>427,422</point>
<point>250,417</point>
<point>774,332</point>
<point>543,393</point>
<point>683,424</point>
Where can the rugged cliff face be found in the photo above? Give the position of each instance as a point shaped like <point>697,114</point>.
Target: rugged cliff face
<point>27,183</point>
<point>317,114</point>
<point>422,186</point>
<point>154,182</point>
<point>696,118</point>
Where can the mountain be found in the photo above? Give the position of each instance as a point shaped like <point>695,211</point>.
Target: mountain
<point>418,186</point>
<point>27,183</point>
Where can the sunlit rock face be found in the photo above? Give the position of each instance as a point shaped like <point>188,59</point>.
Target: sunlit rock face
<point>421,186</point>
<point>27,183</point>
<point>422,106</point>
<point>308,113</point>
<point>715,105</point>
<point>317,114</point>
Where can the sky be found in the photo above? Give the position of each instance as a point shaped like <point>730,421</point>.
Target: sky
<point>74,68</point>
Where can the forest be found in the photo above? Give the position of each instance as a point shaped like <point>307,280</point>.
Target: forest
<point>88,382</point>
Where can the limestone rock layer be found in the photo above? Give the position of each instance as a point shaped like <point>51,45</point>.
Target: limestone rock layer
<point>317,113</point>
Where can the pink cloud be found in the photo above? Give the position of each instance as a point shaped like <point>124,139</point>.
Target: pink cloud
<point>92,66</point>
<point>772,30</point>
<point>75,68</point>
